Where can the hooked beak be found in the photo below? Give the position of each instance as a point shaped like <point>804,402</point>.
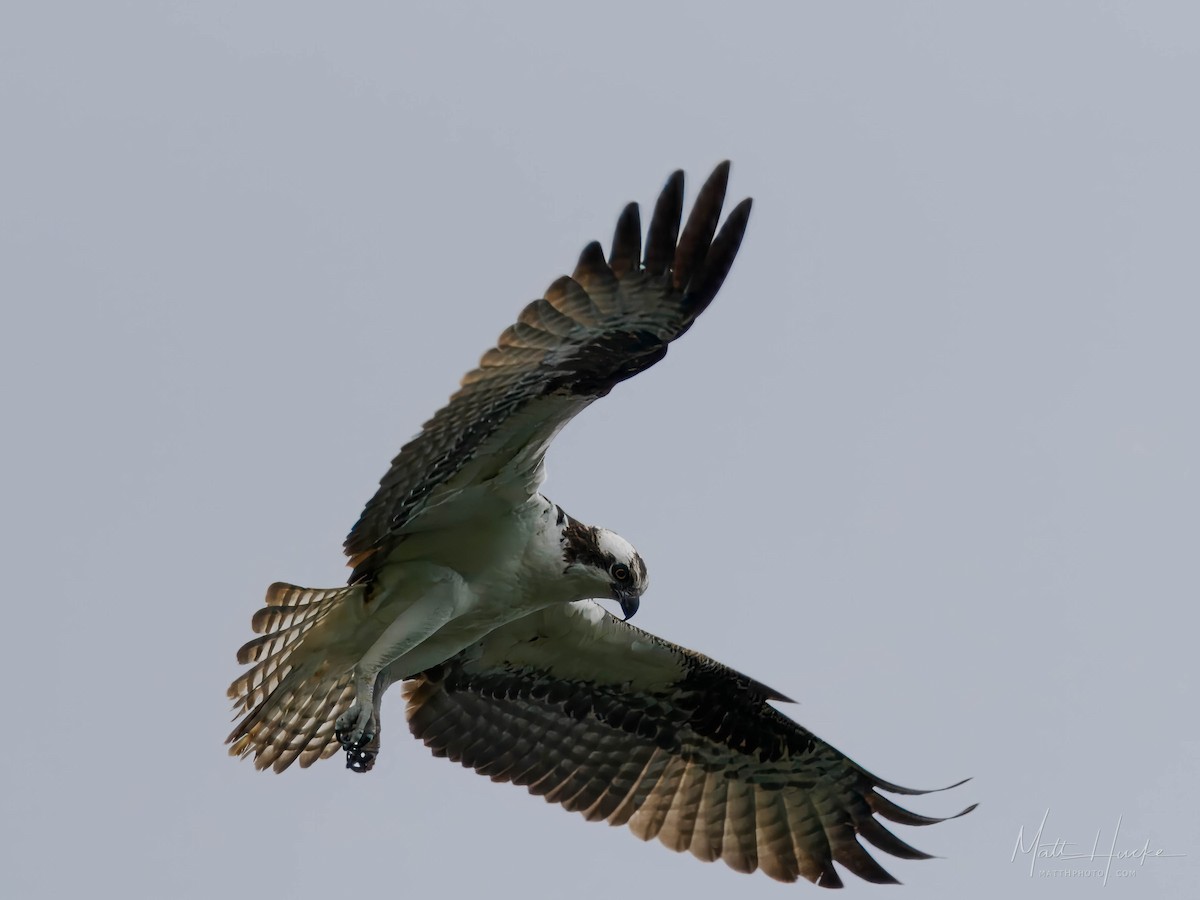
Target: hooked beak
<point>629,602</point>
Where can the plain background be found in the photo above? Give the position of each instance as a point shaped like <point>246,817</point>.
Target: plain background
<point>929,463</point>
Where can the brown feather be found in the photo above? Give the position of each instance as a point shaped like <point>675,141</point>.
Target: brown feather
<point>289,701</point>
<point>664,226</point>
<point>626,255</point>
<point>701,226</point>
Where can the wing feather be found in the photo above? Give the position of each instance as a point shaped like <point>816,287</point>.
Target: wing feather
<point>710,819</point>
<point>680,822</point>
<point>719,259</point>
<point>652,811</point>
<point>664,226</point>
<point>740,846</point>
<point>775,837</point>
<point>701,226</point>
<point>626,252</point>
<point>619,725</point>
<point>592,271</point>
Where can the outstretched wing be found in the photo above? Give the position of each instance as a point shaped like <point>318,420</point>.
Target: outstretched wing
<point>621,726</point>
<point>605,323</point>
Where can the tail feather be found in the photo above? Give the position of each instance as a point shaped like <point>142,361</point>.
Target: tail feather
<point>291,700</point>
<point>290,612</point>
<point>321,743</point>
<point>289,605</point>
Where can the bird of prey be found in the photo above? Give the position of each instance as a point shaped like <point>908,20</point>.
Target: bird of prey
<point>479,593</point>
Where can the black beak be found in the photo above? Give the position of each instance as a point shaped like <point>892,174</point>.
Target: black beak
<point>629,602</point>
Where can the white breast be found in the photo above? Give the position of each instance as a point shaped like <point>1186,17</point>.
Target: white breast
<point>511,567</point>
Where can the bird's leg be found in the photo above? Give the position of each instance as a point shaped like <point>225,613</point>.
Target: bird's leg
<point>440,590</point>
<point>356,731</point>
<point>362,758</point>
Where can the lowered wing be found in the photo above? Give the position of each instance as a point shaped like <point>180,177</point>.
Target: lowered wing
<point>609,320</point>
<point>621,726</point>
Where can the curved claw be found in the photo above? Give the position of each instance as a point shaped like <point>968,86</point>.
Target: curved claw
<point>358,733</point>
<point>360,759</point>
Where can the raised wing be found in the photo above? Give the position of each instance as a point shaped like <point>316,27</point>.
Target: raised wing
<point>621,726</point>
<point>605,323</point>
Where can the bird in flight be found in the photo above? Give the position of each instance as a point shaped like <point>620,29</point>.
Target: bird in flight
<point>480,595</point>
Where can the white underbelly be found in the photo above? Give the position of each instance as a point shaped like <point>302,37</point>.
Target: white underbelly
<point>452,638</point>
<point>488,607</point>
<point>497,582</point>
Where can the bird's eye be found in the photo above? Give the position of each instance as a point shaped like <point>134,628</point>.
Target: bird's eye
<point>621,573</point>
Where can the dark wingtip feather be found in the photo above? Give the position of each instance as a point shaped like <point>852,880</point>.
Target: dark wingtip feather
<point>854,857</point>
<point>701,226</point>
<point>592,264</point>
<point>626,253</point>
<point>880,837</point>
<point>893,812</point>
<point>704,285</point>
<point>899,789</point>
<point>829,878</point>
<point>664,225</point>
<point>768,692</point>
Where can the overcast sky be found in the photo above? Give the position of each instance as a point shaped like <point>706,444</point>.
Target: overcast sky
<point>928,464</point>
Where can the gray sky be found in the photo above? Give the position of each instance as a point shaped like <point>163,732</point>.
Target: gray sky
<point>928,464</point>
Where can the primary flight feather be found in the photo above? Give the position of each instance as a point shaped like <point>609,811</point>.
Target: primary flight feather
<point>477,591</point>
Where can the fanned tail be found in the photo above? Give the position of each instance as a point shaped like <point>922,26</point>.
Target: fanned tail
<point>291,699</point>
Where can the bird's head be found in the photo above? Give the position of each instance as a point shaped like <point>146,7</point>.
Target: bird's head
<point>605,564</point>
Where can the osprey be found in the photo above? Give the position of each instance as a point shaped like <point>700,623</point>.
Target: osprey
<point>478,592</point>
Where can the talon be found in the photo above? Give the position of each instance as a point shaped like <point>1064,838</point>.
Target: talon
<point>351,727</point>
<point>360,759</point>
<point>357,730</point>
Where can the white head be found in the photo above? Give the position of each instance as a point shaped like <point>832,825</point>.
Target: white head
<point>605,563</point>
